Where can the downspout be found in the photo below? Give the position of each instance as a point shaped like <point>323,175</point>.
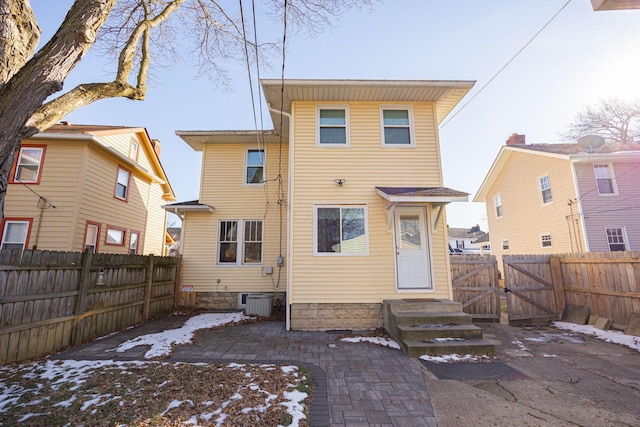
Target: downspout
<point>287,308</point>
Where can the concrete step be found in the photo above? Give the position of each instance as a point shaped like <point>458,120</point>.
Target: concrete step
<point>430,332</point>
<point>422,305</point>
<point>416,348</point>
<point>433,318</point>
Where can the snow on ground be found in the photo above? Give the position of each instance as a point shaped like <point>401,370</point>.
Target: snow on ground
<point>455,358</point>
<point>387,342</point>
<point>162,342</point>
<point>615,337</point>
<point>52,375</point>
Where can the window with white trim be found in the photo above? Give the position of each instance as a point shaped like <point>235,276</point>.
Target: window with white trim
<point>122,184</point>
<point>545,241</point>
<point>29,164</point>
<point>545,190</point>
<point>134,147</point>
<point>114,236</point>
<point>340,230</point>
<point>397,127</point>
<point>505,245</point>
<point>240,242</point>
<point>604,179</point>
<point>497,201</point>
<point>254,171</point>
<point>333,128</point>
<point>134,238</point>
<point>616,239</point>
<point>15,233</point>
<point>91,236</point>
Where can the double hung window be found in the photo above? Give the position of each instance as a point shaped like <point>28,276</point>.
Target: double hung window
<point>397,127</point>
<point>497,201</point>
<point>15,234</point>
<point>616,239</point>
<point>341,230</point>
<point>122,184</point>
<point>91,236</point>
<point>333,126</point>
<point>29,164</point>
<point>254,173</point>
<point>604,179</point>
<point>545,190</point>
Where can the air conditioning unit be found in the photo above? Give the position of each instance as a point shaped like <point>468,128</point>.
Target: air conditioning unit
<point>259,305</point>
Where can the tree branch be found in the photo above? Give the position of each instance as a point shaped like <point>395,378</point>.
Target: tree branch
<point>19,36</point>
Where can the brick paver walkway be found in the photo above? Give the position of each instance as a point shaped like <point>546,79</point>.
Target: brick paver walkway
<point>357,384</point>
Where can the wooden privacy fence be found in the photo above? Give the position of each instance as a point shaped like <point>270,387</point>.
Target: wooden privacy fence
<point>541,285</point>
<point>474,279</point>
<point>50,300</point>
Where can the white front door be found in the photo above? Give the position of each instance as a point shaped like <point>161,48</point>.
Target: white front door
<point>412,249</point>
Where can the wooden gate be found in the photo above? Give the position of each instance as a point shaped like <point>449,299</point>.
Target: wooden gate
<point>531,296</point>
<point>474,279</point>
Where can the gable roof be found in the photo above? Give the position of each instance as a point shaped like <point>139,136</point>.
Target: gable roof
<point>445,93</point>
<point>464,233</point>
<point>570,152</point>
<point>91,133</point>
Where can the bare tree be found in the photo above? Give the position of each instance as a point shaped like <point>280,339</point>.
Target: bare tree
<point>613,119</point>
<point>131,30</point>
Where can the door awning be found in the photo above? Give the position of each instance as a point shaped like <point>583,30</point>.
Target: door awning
<point>422,194</point>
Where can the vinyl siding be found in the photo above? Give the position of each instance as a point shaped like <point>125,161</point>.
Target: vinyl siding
<point>59,186</point>
<point>122,143</point>
<point>365,165</point>
<point>621,210</point>
<point>525,218</point>
<point>99,204</point>
<point>79,180</point>
<point>223,188</point>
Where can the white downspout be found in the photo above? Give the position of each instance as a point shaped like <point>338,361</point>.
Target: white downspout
<point>287,308</point>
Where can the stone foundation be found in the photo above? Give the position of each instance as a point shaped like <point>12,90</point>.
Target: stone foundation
<point>321,317</point>
<point>227,300</point>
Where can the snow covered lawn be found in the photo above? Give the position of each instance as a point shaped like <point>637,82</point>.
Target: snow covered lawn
<point>108,393</point>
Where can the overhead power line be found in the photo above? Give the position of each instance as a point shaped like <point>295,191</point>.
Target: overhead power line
<point>506,65</point>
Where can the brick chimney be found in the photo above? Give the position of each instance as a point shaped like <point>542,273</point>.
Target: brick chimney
<point>516,139</point>
<point>156,147</point>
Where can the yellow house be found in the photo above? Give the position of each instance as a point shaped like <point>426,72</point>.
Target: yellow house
<point>74,187</point>
<point>561,198</point>
<point>339,208</point>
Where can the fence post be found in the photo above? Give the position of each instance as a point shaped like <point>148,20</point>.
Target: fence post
<point>147,289</point>
<point>81,301</point>
<point>558,285</point>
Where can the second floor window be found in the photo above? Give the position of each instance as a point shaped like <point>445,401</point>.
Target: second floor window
<point>396,127</point>
<point>332,126</point>
<point>29,165</point>
<point>122,184</point>
<point>604,179</point>
<point>254,173</point>
<point>545,190</point>
<point>497,200</point>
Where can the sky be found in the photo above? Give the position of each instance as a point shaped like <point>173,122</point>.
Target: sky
<point>581,57</point>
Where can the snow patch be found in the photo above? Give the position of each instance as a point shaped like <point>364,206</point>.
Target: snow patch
<point>454,358</point>
<point>162,342</point>
<point>386,342</point>
<point>615,337</point>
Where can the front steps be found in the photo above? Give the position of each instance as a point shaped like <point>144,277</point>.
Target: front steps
<point>433,327</point>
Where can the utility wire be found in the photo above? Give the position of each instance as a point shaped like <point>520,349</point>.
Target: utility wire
<point>505,65</point>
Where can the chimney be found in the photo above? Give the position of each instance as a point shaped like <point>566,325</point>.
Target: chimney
<point>475,229</point>
<point>65,123</point>
<point>156,147</point>
<point>516,139</point>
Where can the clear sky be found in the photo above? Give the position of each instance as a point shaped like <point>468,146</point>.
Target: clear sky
<point>580,58</point>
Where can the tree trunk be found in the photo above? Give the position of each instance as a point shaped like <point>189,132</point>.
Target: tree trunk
<point>29,84</point>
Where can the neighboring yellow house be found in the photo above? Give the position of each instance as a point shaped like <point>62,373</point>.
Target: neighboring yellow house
<point>561,198</point>
<point>82,186</point>
<point>342,209</point>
